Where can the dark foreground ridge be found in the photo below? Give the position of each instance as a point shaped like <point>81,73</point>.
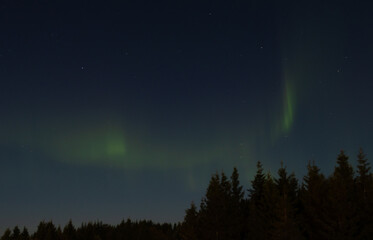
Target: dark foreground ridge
<point>336,207</point>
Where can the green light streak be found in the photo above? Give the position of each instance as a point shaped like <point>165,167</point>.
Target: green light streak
<point>94,142</point>
<point>283,115</point>
<point>288,108</point>
<point>76,140</point>
<point>98,145</point>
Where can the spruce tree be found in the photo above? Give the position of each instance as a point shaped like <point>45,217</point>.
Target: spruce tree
<point>342,205</point>
<point>257,185</point>
<point>257,223</point>
<point>69,231</point>
<point>313,197</point>
<point>215,212</point>
<point>6,235</point>
<point>286,225</point>
<point>189,227</point>
<point>16,235</point>
<point>364,177</point>
<point>25,235</point>
<point>262,214</point>
<point>364,197</point>
<point>210,210</point>
<point>46,231</point>
<point>237,192</point>
<point>236,206</point>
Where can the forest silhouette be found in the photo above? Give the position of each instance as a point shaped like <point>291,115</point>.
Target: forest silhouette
<point>339,206</point>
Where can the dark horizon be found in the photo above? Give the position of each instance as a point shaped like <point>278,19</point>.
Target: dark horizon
<point>276,206</point>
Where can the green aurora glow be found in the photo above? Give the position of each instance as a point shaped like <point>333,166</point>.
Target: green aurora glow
<point>97,143</point>
<point>288,108</point>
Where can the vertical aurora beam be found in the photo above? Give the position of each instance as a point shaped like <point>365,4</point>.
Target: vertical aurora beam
<point>288,107</point>
<point>284,113</point>
<point>305,43</point>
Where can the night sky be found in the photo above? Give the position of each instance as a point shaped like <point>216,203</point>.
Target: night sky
<point>113,110</point>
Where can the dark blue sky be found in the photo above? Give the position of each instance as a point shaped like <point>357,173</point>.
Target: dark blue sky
<point>116,110</point>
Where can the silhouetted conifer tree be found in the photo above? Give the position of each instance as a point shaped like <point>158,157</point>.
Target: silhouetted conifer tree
<point>236,190</point>
<point>69,232</point>
<point>215,214</point>
<point>189,228</point>
<point>25,235</point>
<point>342,205</point>
<point>263,207</point>
<point>7,235</point>
<point>236,206</point>
<point>258,225</point>
<point>210,210</point>
<point>286,225</point>
<point>364,178</point>
<point>16,234</point>
<point>46,231</point>
<point>364,197</point>
<point>256,192</point>
<point>313,197</point>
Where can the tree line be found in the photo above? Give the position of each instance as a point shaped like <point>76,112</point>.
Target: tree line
<point>339,206</point>
<point>96,231</point>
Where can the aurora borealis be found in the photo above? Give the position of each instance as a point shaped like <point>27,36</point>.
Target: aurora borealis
<point>116,110</point>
